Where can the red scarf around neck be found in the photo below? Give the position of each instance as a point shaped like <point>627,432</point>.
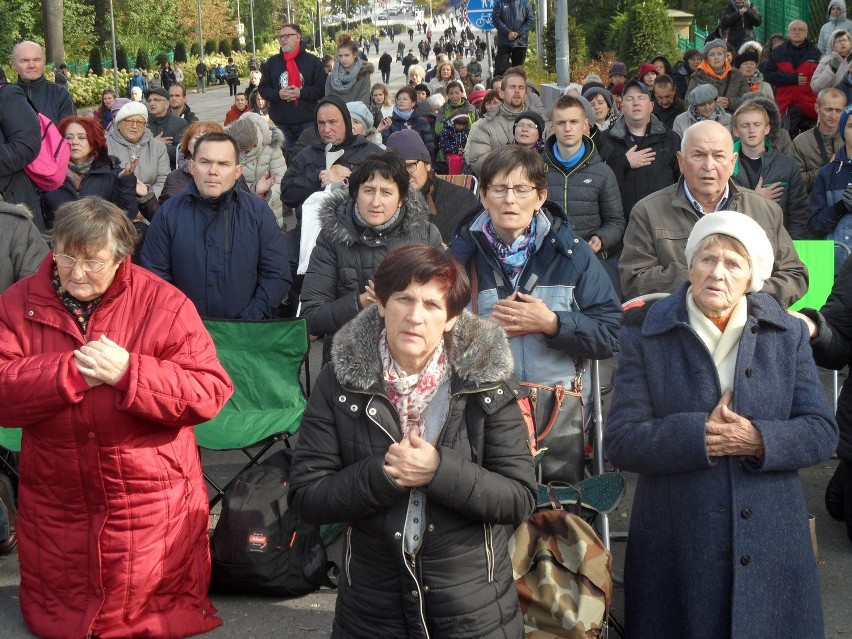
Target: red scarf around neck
<point>294,78</point>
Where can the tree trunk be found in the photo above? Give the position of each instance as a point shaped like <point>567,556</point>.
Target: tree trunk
<point>54,38</point>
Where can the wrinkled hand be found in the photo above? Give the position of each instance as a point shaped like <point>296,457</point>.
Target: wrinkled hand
<point>412,462</point>
<point>265,183</point>
<point>141,188</point>
<point>102,360</point>
<point>773,191</point>
<point>335,173</point>
<point>813,329</point>
<point>595,243</point>
<point>165,139</point>
<point>723,101</point>
<point>847,197</point>
<point>727,433</point>
<point>521,314</point>
<point>368,297</point>
<point>129,168</point>
<point>638,159</point>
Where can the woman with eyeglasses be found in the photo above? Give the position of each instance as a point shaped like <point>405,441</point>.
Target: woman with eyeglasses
<point>130,140</point>
<point>91,171</point>
<point>536,279</point>
<point>112,529</point>
<point>378,212</point>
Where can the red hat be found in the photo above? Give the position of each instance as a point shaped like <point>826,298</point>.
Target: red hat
<point>645,68</point>
<point>476,97</point>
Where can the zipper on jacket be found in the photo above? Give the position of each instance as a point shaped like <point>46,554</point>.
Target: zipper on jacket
<point>347,555</point>
<point>489,551</point>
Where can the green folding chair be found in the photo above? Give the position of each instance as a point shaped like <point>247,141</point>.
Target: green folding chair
<point>264,360</point>
<point>818,256</point>
<point>10,444</point>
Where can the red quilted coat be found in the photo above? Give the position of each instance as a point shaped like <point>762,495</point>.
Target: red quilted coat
<point>113,511</point>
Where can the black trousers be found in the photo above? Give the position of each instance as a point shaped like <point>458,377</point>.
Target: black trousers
<point>509,57</point>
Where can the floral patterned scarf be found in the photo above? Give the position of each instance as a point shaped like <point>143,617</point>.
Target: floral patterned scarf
<point>410,394</point>
<point>514,257</point>
<point>81,311</point>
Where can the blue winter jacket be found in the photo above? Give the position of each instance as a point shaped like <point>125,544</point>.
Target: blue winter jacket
<point>231,263</point>
<point>569,279</point>
<point>830,218</point>
<point>512,15</point>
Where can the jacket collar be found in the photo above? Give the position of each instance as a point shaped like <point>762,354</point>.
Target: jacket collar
<point>477,349</point>
<point>671,312</point>
<point>619,128</point>
<point>336,217</point>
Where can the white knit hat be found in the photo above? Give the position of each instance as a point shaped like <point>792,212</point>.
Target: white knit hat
<point>742,228</point>
<point>131,108</point>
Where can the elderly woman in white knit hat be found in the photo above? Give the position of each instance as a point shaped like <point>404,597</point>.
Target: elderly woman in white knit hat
<point>717,406</point>
<point>703,105</point>
<point>718,72</point>
<point>129,138</point>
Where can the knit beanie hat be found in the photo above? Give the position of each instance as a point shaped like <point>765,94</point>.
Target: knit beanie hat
<point>742,228</point>
<point>591,92</point>
<point>360,112</point>
<point>718,42</point>
<point>460,116</point>
<point>702,94</point>
<point>646,68</point>
<point>409,144</point>
<point>618,89</point>
<point>131,108</point>
<point>476,97</point>
<point>841,126</point>
<point>244,133</point>
<point>118,103</point>
<point>618,68</point>
<point>533,117</point>
<point>592,77</point>
<point>587,107</point>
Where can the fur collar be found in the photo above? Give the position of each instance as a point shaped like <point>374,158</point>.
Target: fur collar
<point>336,218</point>
<point>478,351</point>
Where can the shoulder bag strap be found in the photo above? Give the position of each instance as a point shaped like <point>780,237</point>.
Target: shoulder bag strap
<point>821,146</point>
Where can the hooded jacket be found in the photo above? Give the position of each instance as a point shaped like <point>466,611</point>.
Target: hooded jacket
<point>832,68</point>
<point>347,254</point>
<point>460,583</point>
<point>417,122</point>
<point>829,216</point>
<point>231,262</point>
<point>50,99</point>
<point>113,522</point>
<point>302,176</point>
<point>654,259</point>
<point>512,15</point>
<point>777,167</point>
<point>588,193</point>
<point>739,27</point>
<point>274,78</point>
<point>358,90</point>
<point>833,24</point>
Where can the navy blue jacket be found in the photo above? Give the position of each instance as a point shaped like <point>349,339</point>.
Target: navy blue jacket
<point>718,547</point>
<point>512,15</point>
<point>231,263</point>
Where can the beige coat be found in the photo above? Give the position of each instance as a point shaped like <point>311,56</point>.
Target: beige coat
<point>654,260</point>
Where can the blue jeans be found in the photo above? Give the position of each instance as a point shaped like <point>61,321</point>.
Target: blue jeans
<point>292,132</point>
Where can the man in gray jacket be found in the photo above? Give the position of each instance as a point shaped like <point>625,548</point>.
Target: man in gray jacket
<point>654,260</point>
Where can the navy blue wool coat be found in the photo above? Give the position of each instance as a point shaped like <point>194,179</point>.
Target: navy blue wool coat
<point>718,547</point>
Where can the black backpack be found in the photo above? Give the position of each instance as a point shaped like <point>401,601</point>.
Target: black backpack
<point>259,546</point>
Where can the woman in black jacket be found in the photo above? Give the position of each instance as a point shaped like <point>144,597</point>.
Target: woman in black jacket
<point>92,171</point>
<point>406,116</point>
<point>414,437</point>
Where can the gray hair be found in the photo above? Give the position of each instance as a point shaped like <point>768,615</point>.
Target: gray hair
<point>90,223</point>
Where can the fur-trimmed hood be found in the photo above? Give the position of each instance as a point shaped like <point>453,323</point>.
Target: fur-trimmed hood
<point>772,109</point>
<point>336,215</point>
<point>477,349</point>
<point>367,69</point>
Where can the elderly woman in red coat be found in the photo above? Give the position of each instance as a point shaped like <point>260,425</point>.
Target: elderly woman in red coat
<point>106,368</point>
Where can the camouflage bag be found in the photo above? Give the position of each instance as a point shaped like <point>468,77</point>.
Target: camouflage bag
<point>563,573</point>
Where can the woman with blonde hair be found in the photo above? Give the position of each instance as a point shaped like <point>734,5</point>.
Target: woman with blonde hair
<point>380,104</point>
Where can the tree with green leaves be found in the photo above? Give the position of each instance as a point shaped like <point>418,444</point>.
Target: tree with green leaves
<point>142,59</point>
<point>642,31</point>
<point>96,63</point>
<point>180,52</point>
<point>577,51</point>
<point>121,58</point>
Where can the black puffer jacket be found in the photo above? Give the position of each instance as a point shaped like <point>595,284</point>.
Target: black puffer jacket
<point>588,193</point>
<point>20,142</point>
<point>347,254</point>
<point>460,585</point>
<point>662,172</point>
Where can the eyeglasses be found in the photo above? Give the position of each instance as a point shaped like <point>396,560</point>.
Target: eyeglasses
<point>136,122</point>
<point>525,125</point>
<point>284,36</point>
<point>157,99</point>
<point>521,191</point>
<point>411,167</point>
<point>89,266</point>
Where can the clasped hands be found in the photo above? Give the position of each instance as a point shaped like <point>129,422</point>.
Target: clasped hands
<point>727,433</point>
<point>101,361</point>
<point>520,314</point>
<point>412,462</point>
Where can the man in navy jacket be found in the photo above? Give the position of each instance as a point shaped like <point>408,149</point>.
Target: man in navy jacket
<point>218,244</point>
<point>513,20</point>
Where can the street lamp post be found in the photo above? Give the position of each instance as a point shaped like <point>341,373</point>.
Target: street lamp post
<point>200,35</point>
<point>251,10</point>
<point>114,53</point>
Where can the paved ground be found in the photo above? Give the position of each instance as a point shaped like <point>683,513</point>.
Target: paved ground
<point>260,618</point>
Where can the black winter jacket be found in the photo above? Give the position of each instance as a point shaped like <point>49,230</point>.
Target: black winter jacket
<point>662,172</point>
<point>346,255</point>
<point>274,78</point>
<point>171,126</point>
<point>51,100</point>
<point>20,142</point>
<point>739,27</point>
<point>22,248</point>
<point>416,122</point>
<point>588,193</point>
<point>452,203</point>
<point>832,347</point>
<point>460,583</point>
<point>101,180</point>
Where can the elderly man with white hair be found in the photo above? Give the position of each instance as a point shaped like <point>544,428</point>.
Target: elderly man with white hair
<point>653,259</point>
<point>50,99</point>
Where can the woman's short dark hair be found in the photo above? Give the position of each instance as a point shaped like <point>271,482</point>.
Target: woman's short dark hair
<point>508,158</point>
<point>455,84</point>
<point>422,263</point>
<point>489,97</point>
<point>389,165</point>
<point>86,224</point>
<point>409,91</point>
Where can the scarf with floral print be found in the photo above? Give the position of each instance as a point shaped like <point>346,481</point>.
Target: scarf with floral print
<point>80,311</point>
<point>513,258</point>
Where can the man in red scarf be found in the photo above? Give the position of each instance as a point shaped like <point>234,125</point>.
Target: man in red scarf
<point>293,81</point>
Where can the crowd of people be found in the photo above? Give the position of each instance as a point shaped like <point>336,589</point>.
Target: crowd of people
<point>690,179</point>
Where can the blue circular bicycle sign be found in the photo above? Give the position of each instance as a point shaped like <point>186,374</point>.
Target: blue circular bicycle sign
<point>479,13</point>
